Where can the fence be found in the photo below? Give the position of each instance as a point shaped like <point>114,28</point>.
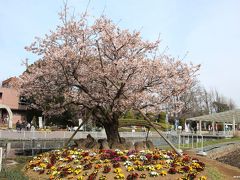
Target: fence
<point>35,141</point>
<point>28,135</point>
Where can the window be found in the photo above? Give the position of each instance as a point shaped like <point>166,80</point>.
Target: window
<point>22,100</point>
<point>1,95</point>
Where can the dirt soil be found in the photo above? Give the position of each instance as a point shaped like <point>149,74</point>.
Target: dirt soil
<point>229,172</point>
<point>232,158</point>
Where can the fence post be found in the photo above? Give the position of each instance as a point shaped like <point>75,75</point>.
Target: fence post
<point>197,141</point>
<point>1,153</point>
<point>192,141</point>
<point>179,139</point>
<point>184,140</point>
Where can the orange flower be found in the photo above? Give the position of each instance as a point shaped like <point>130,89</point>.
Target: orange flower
<point>97,166</point>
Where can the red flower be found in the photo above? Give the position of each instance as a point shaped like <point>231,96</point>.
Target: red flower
<point>186,168</point>
<point>49,166</point>
<point>149,156</point>
<point>172,171</point>
<point>87,166</point>
<point>123,158</point>
<point>116,165</point>
<point>155,156</point>
<point>92,176</point>
<point>132,176</point>
<point>84,154</point>
<point>106,169</point>
<point>186,159</point>
<point>52,159</point>
<point>191,176</point>
<point>41,172</point>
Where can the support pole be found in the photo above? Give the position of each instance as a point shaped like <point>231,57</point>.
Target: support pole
<point>200,127</point>
<point>179,141</point>
<point>233,125</point>
<point>213,127</point>
<point>224,128</point>
<point>75,132</point>
<point>1,157</point>
<point>148,129</point>
<point>169,143</point>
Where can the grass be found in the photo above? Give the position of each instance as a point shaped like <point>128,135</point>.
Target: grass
<point>141,122</point>
<point>211,142</point>
<point>213,173</point>
<point>14,172</point>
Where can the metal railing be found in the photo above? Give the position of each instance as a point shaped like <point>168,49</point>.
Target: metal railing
<point>48,135</point>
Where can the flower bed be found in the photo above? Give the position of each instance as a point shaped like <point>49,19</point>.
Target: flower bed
<point>113,164</point>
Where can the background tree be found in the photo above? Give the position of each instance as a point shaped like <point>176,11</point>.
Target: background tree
<point>198,101</point>
<point>104,70</point>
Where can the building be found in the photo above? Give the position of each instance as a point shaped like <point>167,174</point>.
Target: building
<point>218,123</point>
<point>12,105</point>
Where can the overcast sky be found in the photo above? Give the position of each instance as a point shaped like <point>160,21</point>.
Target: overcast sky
<point>207,31</point>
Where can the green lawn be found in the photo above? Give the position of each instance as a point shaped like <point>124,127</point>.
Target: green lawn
<point>213,173</point>
<point>14,172</point>
<point>215,142</point>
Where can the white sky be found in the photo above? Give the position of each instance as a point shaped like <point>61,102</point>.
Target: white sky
<point>208,31</point>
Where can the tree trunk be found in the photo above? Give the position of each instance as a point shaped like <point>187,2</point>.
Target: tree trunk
<point>112,133</point>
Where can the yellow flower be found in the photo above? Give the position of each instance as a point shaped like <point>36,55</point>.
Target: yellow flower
<point>71,152</point>
<point>119,176</point>
<point>140,168</point>
<point>70,170</point>
<point>102,177</point>
<point>76,161</point>
<point>106,161</point>
<point>120,153</point>
<point>130,168</point>
<point>87,157</point>
<point>53,168</point>
<point>78,167</point>
<point>180,171</point>
<point>190,168</point>
<point>54,173</point>
<point>150,168</point>
<point>163,173</point>
<point>117,170</point>
<point>158,166</point>
<point>76,153</point>
<point>43,165</point>
<point>202,178</point>
<point>79,178</point>
<point>77,171</point>
<point>137,162</point>
<point>195,165</point>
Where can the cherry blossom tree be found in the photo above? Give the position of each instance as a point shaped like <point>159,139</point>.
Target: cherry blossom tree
<point>102,69</point>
